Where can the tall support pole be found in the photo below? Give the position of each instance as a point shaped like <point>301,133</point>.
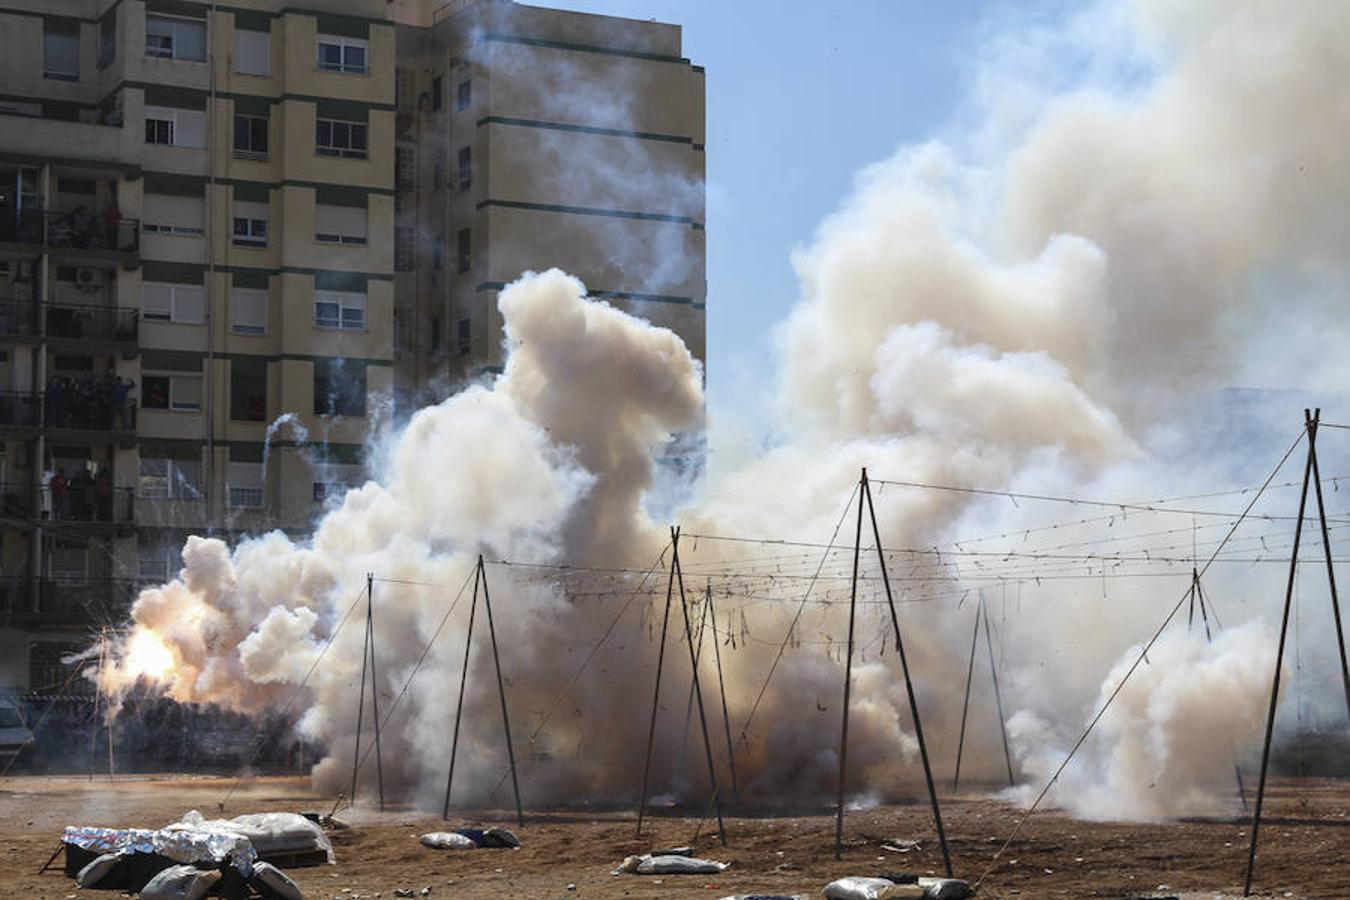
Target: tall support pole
<point>1279,659</point>
<point>459,706</point>
<point>689,704</point>
<point>698,690</point>
<point>965,704</point>
<point>722,690</point>
<point>361,701</point>
<point>998,696</point>
<point>1326,546</point>
<point>98,697</point>
<point>374,683</point>
<point>111,719</point>
<point>909,683</point>
<point>501,690</point>
<point>848,682</point>
<point>656,697</point>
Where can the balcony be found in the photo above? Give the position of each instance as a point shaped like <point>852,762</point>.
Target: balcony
<point>119,324</point>
<point>20,410</point>
<point>78,234</point>
<point>65,602</point>
<point>80,503</point>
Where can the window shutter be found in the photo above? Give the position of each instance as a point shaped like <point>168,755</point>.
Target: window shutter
<point>186,392</point>
<point>175,210</point>
<point>252,52</point>
<point>157,301</point>
<point>189,304</point>
<point>246,475</point>
<point>347,221</point>
<point>249,311</point>
<point>244,209</point>
<point>191,130</point>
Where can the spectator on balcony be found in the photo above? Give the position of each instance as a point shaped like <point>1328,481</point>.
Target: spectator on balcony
<point>81,226</point>
<point>60,495</point>
<point>56,401</point>
<point>103,493</point>
<point>45,493</point>
<point>120,397</point>
<point>82,496</point>
<point>112,226</point>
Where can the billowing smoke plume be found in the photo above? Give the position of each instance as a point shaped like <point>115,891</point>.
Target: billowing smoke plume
<point>1048,310</point>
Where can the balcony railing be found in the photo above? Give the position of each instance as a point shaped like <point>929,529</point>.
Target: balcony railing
<point>76,410</point>
<point>78,501</point>
<point>20,410</point>
<point>66,601</point>
<point>18,318</point>
<point>81,322</point>
<point>78,230</point>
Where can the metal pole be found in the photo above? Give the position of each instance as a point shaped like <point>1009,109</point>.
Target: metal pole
<point>361,703</point>
<point>909,683</point>
<point>698,691</point>
<point>722,689</point>
<point>689,704</point>
<point>501,691</point>
<point>998,696</point>
<point>459,707</point>
<point>1279,658</point>
<point>1326,546</point>
<point>848,678</point>
<point>374,683</point>
<point>965,704</point>
<point>656,694</point>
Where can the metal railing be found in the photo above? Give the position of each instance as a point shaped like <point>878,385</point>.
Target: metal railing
<point>80,230</point>
<point>20,409</point>
<point>79,501</point>
<point>38,602</point>
<point>76,411</point>
<point>88,322</point>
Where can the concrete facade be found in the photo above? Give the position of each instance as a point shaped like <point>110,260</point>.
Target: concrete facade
<point>316,203</point>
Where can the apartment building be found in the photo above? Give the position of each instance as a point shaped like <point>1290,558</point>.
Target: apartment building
<point>528,138</point>
<point>232,235</point>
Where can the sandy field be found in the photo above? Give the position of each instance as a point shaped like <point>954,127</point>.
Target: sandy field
<point>1305,847</point>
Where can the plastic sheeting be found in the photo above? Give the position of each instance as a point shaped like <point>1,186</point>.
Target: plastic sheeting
<point>269,833</point>
<point>180,846</point>
<point>448,840</point>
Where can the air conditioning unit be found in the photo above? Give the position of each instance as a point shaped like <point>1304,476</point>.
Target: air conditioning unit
<point>87,279</point>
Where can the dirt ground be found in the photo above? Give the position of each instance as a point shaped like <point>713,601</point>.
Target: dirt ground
<point>1305,846</point>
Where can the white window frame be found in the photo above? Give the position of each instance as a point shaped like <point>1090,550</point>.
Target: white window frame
<point>346,306</point>
<point>180,302</point>
<point>177,379</point>
<point>333,148</point>
<point>250,228</point>
<point>343,44</point>
<point>166,116</point>
<point>250,294</point>
<point>175,485</point>
<point>155,51</point>
<point>250,153</point>
<point>243,36</point>
<point>176,126</point>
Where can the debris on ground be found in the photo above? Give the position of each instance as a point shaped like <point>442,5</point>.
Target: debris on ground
<point>647,864</point>
<point>448,840</point>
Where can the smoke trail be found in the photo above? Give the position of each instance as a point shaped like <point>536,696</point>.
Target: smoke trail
<point>1048,311</point>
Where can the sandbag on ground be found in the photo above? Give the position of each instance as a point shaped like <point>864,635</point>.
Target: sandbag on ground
<point>669,865</point>
<point>448,840</point>
<point>180,883</point>
<point>861,888</point>
<point>271,882</point>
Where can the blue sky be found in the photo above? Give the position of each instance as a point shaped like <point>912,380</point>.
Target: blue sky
<point>799,97</point>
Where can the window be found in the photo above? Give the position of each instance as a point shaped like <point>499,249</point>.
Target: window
<point>465,168</point>
<point>250,137</point>
<point>183,303</point>
<point>246,484</point>
<point>339,388</point>
<point>69,565</point>
<point>437,89</point>
<point>343,54</point>
<point>154,564</point>
<point>107,40</point>
<point>173,214</point>
<point>175,127</point>
<point>60,50</point>
<point>333,138</point>
<point>177,392</point>
<point>463,253</point>
<point>339,224</point>
<point>340,309</point>
<point>170,479</point>
<point>464,337</point>
<point>248,389</point>
<point>173,38</point>
<point>250,224</point>
<point>405,248</point>
<point>248,311</point>
<point>252,52</point>
<point>463,95</point>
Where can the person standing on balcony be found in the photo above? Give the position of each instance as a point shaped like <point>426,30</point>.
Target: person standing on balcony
<point>60,494</point>
<point>112,226</point>
<point>56,402</point>
<point>121,401</point>
<point>103,492</point>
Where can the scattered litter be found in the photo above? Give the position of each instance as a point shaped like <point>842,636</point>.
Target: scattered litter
<point>448,840</point>
<point>272,882</point>
<point>180,883</point>
<point>647,864</point>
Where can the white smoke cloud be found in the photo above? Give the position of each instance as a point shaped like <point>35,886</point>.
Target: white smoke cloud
<point>1044,312</point>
